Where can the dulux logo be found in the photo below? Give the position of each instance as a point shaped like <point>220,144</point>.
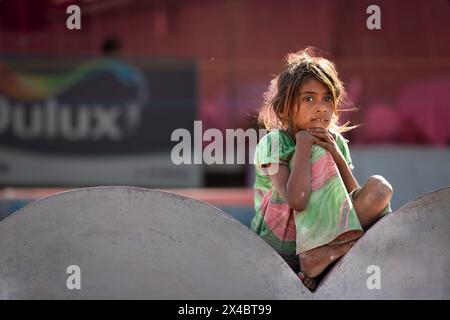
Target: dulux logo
<point>91,121</point>
<point>51,119</point>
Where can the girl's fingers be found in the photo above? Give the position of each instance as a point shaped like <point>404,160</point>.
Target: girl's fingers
<point>323,136</point>
<point>324,133</point>
<point>330,136</point>
<point>316,133</point>
<point>321,143</point>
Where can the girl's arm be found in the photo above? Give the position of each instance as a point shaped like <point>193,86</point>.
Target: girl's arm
<point>327,141</point>
<point>346,174</point>
<point>295,186</point>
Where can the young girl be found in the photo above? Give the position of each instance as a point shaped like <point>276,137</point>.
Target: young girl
<point>309,207</point>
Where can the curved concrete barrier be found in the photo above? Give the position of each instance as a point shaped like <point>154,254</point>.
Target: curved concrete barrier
<point>406,255</point>
<point>134,243</point>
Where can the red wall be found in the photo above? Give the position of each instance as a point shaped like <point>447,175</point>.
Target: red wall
<point>399,76</point>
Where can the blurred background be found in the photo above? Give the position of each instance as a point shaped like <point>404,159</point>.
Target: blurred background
<point>97,106</point>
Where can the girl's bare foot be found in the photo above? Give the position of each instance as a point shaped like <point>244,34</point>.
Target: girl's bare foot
<point>310,283</point>
<point>314,261</point>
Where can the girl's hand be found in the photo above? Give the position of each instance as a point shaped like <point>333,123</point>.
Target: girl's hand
<point>326,140</point>
<point>304,137</point>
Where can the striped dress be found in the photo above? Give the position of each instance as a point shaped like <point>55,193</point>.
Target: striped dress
<point>329,215</point>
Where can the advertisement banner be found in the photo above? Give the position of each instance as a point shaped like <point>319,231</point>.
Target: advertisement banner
<point>73,122</point>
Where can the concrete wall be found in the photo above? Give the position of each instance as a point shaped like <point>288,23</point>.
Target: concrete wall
<point>134,243</point>
<point>412,171</point>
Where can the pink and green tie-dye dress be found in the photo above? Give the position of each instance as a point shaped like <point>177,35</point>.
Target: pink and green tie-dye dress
<point>329,213</point>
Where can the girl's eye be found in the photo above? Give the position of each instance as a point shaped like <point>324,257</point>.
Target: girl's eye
<point>328,99</point>
<point>308,99</point>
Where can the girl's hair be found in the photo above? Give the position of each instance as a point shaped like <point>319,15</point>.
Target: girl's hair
<point>280,99</point>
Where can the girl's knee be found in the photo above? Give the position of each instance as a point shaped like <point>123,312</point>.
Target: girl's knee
<point>380,188</point>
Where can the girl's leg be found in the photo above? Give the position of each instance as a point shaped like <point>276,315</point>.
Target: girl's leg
<point>314,261</point>
<point>370,201</point>
<point>310,283</point>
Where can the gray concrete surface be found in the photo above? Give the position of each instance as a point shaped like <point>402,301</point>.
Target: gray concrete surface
<point>412,170</point>
<point>411,249</point>
<point>133,243</point>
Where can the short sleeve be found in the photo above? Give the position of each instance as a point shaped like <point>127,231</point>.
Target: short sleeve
<point>343,146</point>
<point>273,149</point>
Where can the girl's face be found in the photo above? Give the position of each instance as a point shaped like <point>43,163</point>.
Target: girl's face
<point>314,106</point>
